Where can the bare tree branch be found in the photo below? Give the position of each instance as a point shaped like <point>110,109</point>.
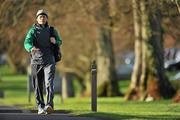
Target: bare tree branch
<point>178,6</point>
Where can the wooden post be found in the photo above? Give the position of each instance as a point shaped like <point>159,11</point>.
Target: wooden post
<point>63,95</point>
<point>29,88</point>
<point>94,87</point>
<point>29,83</point>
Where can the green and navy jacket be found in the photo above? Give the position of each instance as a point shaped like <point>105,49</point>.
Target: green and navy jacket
<point>39,36</point>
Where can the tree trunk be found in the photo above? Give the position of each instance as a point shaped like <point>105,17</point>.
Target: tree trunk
<point>165,88</point>
<point>153,82</point>
<point>145,38</point>
<point>12,64</point>
<point>107,82</point>
<point>67,86</point>
<point>106,76</point>
<point>135,78</point>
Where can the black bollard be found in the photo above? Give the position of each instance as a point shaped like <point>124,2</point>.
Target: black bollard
<point>94,87</point>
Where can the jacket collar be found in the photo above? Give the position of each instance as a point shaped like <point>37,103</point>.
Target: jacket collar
<point>38,26</point>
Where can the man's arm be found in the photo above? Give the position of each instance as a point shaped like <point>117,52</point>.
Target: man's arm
<point>58,38</point>
<point>28,43</point>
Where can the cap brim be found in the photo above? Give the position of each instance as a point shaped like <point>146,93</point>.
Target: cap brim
<point>42,14</point>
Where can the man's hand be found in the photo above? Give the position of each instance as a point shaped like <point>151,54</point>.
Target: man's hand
<point>34,49</point>
<point>53,40</point>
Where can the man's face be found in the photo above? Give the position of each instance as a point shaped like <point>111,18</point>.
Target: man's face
<point>41,19</point>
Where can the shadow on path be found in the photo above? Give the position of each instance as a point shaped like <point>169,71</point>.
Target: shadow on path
<point>13,113</point>
<point>113,116</point>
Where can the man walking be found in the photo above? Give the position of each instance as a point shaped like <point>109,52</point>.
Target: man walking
<point>39,43</point>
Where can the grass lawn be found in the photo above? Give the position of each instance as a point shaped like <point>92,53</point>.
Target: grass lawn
<point>114,108</point>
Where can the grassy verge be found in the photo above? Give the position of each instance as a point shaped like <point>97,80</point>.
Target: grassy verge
<point>14,87</point>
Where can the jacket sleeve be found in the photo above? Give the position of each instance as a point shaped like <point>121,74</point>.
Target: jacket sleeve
<point>28,43</point>
<point>58,38</point>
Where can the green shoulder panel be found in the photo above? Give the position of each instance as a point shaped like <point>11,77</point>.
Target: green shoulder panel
<point>28,43</point>
<point>58,38</point>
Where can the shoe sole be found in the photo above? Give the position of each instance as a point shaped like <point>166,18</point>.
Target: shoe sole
<point>49,110</point>
<point>41,113</point>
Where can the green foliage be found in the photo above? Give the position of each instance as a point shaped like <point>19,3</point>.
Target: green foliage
<point>4,70</point>
<point>176,84</point>
<point>123,85</point>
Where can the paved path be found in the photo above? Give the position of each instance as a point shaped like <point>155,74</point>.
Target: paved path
<point>12,113</point>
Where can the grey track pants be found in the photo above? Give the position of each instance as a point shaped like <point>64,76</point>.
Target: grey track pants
<point>43,75</point>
